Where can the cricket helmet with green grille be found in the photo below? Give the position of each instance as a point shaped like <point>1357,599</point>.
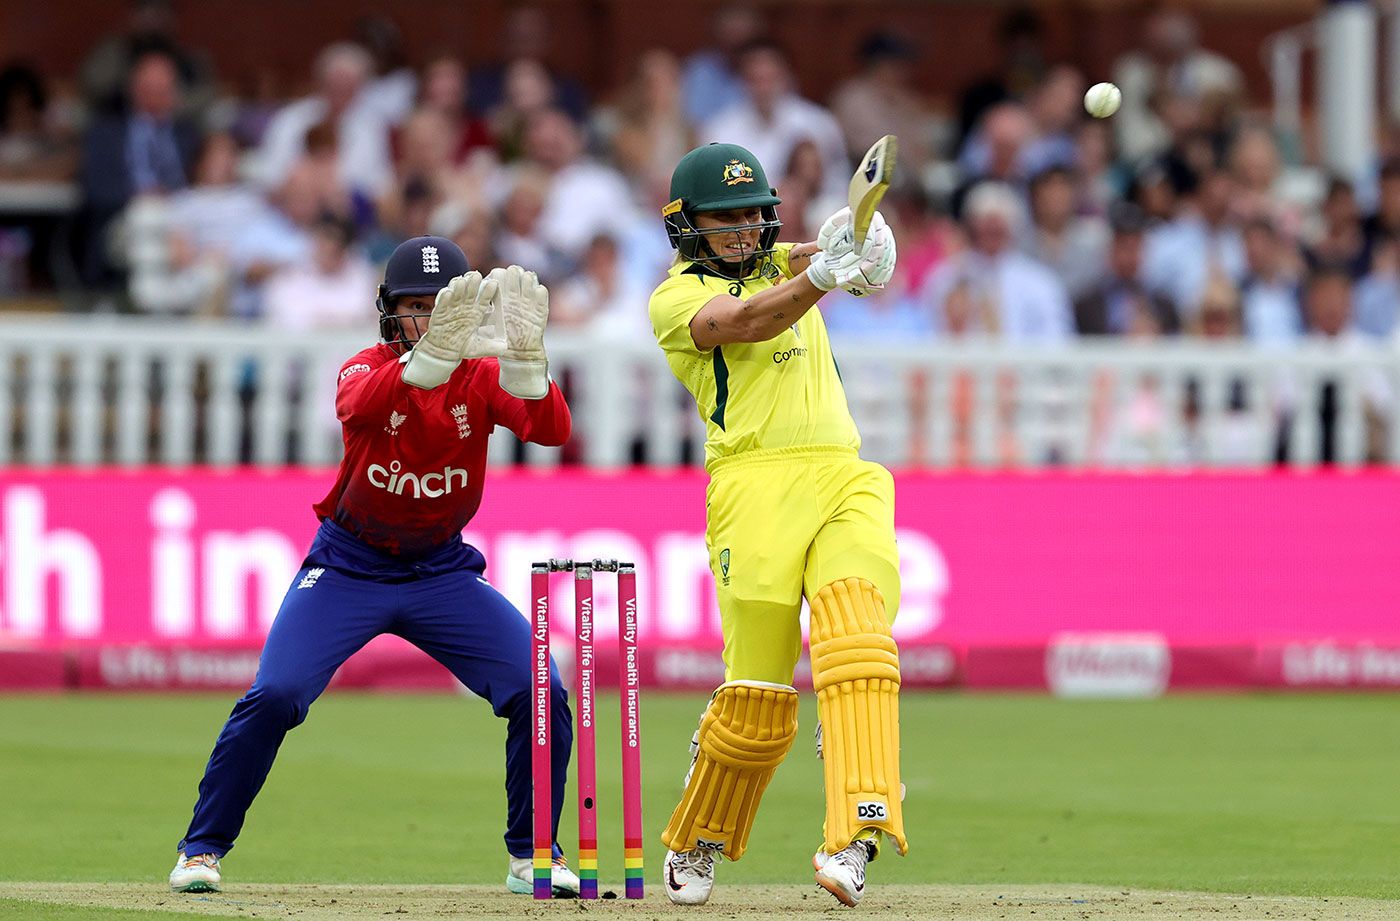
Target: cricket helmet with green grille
<point>721,177</point>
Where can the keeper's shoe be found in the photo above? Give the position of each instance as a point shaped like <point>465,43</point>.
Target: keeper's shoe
<point>843,873</point>
<point>521,878</point>
<point>690,875</point>
<point>199,873</point>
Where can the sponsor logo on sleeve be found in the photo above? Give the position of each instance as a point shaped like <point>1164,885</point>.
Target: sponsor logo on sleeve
<point>354,369</point>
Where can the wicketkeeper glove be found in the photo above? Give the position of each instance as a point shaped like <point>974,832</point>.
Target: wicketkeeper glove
<point>454,332</point>
<point>525,304</point>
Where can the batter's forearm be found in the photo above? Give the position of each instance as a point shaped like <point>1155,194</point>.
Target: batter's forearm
<point>775,309</point>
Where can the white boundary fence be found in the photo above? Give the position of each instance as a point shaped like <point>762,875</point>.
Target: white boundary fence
<point>133,392</point>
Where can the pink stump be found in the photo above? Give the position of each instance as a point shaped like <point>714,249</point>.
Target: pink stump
<point>631,728</point>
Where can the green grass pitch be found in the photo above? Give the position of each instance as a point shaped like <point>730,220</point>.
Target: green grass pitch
<point>1262,794</point>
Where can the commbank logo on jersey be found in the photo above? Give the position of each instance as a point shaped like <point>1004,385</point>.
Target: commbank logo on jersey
<point>393,479</point>
<point>430,259</point>
<point>737,171</point>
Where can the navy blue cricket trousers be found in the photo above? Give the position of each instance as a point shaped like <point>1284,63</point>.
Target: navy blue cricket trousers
<point>440,603</point>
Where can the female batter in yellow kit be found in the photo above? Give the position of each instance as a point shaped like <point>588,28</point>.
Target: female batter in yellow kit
<point>792,512</point>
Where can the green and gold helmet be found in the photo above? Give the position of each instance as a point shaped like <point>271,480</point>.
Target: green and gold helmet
<point>720,177</point>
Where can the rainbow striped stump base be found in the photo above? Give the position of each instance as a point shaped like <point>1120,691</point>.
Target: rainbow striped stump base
<point>633,867</point>
<point>544,873</point>
<point>588,869</point>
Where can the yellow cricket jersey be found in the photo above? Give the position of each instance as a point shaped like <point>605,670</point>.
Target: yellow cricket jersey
<point>783,393</point>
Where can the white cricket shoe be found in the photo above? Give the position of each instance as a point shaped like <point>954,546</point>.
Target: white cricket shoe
<point>690,876</point>
<point>199,873</point>
<point>843,873</point>
<point>521,878</point>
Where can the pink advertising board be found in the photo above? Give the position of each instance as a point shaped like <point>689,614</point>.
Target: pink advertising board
<point>1081,583</point>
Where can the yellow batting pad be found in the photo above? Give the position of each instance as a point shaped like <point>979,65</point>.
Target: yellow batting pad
<point>744,735</point>
<point>855,672</point>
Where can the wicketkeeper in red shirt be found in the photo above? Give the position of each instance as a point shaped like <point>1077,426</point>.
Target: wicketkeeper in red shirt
<point>417,410</point>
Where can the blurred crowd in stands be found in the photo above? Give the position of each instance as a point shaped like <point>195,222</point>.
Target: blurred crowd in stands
<point>1018,217</point>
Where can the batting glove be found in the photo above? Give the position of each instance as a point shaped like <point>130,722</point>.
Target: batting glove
<point>873,268</point>
<point>525,304</point>
<point>454,332</point>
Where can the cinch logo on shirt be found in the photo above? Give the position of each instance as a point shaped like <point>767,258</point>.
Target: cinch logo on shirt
<point>391,480</point>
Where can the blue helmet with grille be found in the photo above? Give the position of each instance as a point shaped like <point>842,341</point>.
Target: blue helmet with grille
<point>421,265</point>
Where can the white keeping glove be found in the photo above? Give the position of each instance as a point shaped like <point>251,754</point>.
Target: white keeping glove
<point>454,332</point>
<point>525,304</point>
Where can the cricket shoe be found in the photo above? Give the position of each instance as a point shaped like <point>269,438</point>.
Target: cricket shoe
<point>563,882</point>
<point>843,873</point>
<point>199,873</point>
<point>690,875</point>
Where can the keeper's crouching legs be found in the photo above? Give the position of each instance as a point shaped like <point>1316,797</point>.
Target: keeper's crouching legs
<point>855,672</point>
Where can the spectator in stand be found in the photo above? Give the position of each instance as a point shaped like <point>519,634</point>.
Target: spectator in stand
<point>179,249</point>
<point>259,100</point>
<point>145,150</point>
<point>600,295</point>
<point>1377,295</point>
<point>1220,426</point>
<point>473,229</point>
<point>1385,223</point>
<point>521,238</point>
<point>31,147</point>
<point>996,150</point>
<point>772,118</point>
<point>1171,64</point>
<point>106,72</point>
<point>1255,165</point>
<point>1341,236</point>
<point>364,167</point>
<point>444,92</point>
<point>710,78</point>
<point>393,88</point>
<point>1021,68</point>
<point>329,290</point>
<point>319,166</point>
<point>1118,303</point>
<point>1329,314</point>
<point>881,99</point>
<point>1270,293</point>
<point>653,132</point>
<point>585,198</point>
<point>1056,109</point>
<point>526,37</point>
<point>804,190</point>
<point>429,174</point>
<point>281,238</point>
<point>1016,298</point>
<point>1074,247</point>
<point>1203,237</point>
<point>1100,181</point>
<point>528,92</point>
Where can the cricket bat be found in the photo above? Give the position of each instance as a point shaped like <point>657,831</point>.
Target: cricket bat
<point>869,184</point>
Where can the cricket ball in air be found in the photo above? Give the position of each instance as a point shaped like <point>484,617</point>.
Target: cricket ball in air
<point>1102,100</point>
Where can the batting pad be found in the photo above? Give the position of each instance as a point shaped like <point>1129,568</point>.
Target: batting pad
<point>744,735</point>
<point>855,672</point>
